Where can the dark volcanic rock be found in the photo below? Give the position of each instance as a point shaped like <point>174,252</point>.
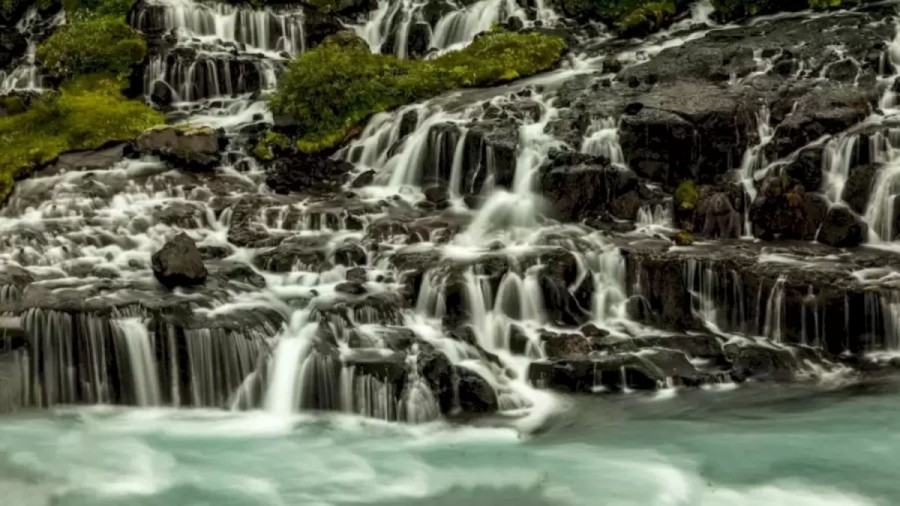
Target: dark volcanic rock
<point>179,263</point>
<point>476,395</point>
<point>12,45</point>
<point>437,370</point>
<point>761,362</point>
<point>577,185</point>
<point>807,168</point>
<point>781,209</point>
<point>858,187</point>
<point>161,94</point>
<point>304,173</point>
<point>842,228</point>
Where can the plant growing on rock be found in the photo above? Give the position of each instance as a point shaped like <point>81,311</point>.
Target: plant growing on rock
<point>92,45</point>
<point>331,90</point>
<point>686,195</point>
<point>87,113</point>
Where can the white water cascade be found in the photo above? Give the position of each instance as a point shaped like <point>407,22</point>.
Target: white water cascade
<point>26,77</point>
<point>132,336</point>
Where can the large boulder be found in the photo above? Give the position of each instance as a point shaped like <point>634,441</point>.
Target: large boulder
<point>842,228</point>
<point>179,263</point>
<point>187,147</point>
<point>806,168</point>
<point>438,372</point>
<point>717,217</point>
<point>858,188</point>
<point>476,395</point>
<point>578,185</point>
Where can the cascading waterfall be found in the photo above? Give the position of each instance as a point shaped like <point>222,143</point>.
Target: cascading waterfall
<point>135,342</point>
<point>602,139</point>
<point>773,327</point>
<point>400,27</point>
<point>26,77</point>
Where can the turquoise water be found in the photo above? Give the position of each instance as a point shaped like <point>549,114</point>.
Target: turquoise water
<point>749,446</point>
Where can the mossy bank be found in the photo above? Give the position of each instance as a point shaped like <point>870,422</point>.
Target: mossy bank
<point>328,92</point>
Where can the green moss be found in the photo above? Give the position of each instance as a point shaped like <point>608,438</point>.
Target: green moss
<point>686,195</point>
<point>92,45</point>
<point>647,18</point>
<point>87,113</point>
<point>683,238</point>
<point>11,104</point>
<point>330,90</point>
<point>269,144</point>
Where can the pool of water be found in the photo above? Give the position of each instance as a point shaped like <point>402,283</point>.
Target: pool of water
<point>753,445</point>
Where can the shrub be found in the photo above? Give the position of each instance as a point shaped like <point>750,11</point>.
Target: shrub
<point>330,90</point>
<point>87,113</point>
<point>92,45</point>
<point>686,195</point>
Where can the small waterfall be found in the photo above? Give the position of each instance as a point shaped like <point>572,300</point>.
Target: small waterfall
<point>883,321</point>
<point>754,160</point>
<point>602,139</point>
<point>284,392</point>
<point>881,213</point>
<point>717,296</point>
<point>773,328</point>
<point>131,334</point>
<point>26,76</point>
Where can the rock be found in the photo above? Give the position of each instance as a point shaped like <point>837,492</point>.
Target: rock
<point>12,45</point>
<point>357,275</point>
<point>578,185</point>
<point>364,179</point>
<point>780,209</point>
<point>440,374</point>
<point>717,216</point>
<point>611,65</point>
<point>476,395</point>
<point>858,188</point>
<point>761,362</point>
<point>179,263</point>
<point>842,228</point>
<point>437,194</point>
<point>350,254</point>
<point>565,345</point>
<point>191,148</point>
<point>806,168</point>
<point>305,173</point>
<point>161,94</point>
<point>350,288</point>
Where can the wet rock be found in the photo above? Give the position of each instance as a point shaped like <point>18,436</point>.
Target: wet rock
<point>440,374</point>
<point>357,275</point>
<point>12,45</point>
<point>842,228</point>
<point>565,345</point>
<point>364,179</point>
<point>761,362</point>
<point>475,394</point>
<point>781,209</point>
<point>717,217</point>
<point>191,148</point>
<point>807,168</point>
<point>611,65</point>
<point>858,188</point>
<point>350,288</point>
<point>287,257</point>
<point>179,214</point>
<point>577,185</point>
<point>94,159</point>
<point>350,254</point>
<point>161,94</point>
<point>438,195</point>
<point>179,263</point>
<point>305,173</point>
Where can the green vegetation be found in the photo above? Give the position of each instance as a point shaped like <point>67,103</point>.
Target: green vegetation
<point>270,144</point>
<point>686,195</point>
<point>87,113</point>
<point>647,18</point>
<point>683,238</point>
<point>330,90</point>
<point>98,7</point>
<point>92,45</point>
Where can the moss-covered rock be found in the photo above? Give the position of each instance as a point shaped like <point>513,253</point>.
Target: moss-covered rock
<point>87,113</point>
<point>686,195</point>
<point>270,145</point>
<point>97,7</point>
<point>332,89</point>
<point>92,45</point>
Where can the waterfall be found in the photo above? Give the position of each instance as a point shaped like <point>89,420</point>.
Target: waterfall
<point>131,334</point>
<point>397,26</point>
<point>602,140</point>
<point>26,76</point>
<point>881,213</point>
<point>773,328</point>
